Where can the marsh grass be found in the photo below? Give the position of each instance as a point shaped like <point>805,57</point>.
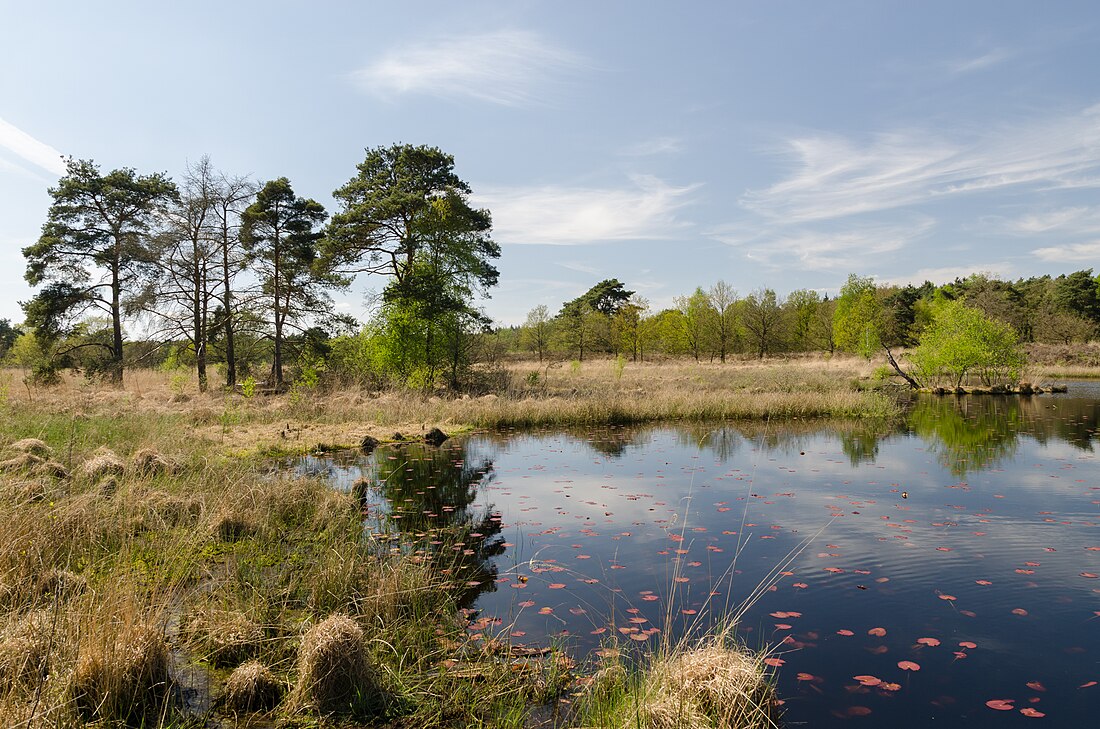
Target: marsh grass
<point>160,535</point>
<point>77,417</point>
<point>110,579</point>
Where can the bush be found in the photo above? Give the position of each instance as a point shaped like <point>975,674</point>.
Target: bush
<point>961,342</point>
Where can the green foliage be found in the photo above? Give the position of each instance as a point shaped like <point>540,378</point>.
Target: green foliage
<point>94,248</point>
<point>857,322</point>
<point>962,341</point>
<point>248,387</point>
<point>404,201</point>
<point>279,232</point>
<point>8,335</point>
<point>762,319</point>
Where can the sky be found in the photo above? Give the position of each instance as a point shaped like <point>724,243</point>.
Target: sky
<point>668,145</point>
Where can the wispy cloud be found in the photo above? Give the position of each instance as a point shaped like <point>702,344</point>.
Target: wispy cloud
<point>982,62</point>
<point>558,215</point>
<point>1046,221</point>
<point>578,267</point>
<point>947,274</point>
<point>835,176</point>
<point>507,67</point>
<point>654,146</point>
<point>1069,253</point>
<point>30,149</point>
<point>851,248</point>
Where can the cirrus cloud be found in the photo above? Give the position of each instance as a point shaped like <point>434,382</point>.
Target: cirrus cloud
<point>30,149</point>
<point>506,67</point>
<point>561,215</point>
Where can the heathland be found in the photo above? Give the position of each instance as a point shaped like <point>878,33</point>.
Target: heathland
<point>159,568</point>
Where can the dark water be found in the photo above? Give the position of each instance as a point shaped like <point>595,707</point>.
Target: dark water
<point>951,557</point>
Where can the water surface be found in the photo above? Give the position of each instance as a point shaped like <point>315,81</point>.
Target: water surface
<point>951,559</point>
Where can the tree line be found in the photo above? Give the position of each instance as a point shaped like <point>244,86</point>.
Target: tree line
<point>225,272</point>
<point>716,323</point>
<point>218,269</point>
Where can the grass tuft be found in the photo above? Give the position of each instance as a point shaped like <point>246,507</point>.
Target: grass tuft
<point>252,687</point>
<point>123,677</point>
<point>334,672</point>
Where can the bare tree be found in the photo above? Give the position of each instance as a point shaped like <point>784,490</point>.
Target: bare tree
<point>231,196</point>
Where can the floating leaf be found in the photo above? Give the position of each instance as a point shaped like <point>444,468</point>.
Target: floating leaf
<point>845,633</point>
<point>1019,611</point>
<point>1036,686</point>
<point>947,597</point>
<point>968,644</point>
<point>868,680</point>
<point>1001,704</point>
<point>1033,713</point>
<point>931,642</point>
<point>775,662</point>
<point>908,666</point>
<point>879,632</point>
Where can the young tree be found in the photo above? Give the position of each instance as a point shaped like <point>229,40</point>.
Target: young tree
<point>536,332</point>
<point>93,248</point>
<point>802,306</point>
<point>279,231</point>
<point>857,321</point>
<point>722,320</point>
<point>762,318</point>
<point>629,327</point>
<point>694,310</point>
<point>962,341</point>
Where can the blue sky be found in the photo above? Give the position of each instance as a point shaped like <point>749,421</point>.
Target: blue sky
<point>669,145</point>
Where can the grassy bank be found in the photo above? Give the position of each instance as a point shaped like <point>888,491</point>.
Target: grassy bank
<point>527,395</point>
<point>163,587</point>
<point>154,572</point>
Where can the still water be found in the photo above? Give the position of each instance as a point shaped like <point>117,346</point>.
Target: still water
<point>950,561</point>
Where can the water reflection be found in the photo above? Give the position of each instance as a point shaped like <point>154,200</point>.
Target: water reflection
<point>432,493</point>
<point>988,583</point>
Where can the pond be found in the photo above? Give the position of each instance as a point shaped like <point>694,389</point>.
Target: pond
<point>941,569</point>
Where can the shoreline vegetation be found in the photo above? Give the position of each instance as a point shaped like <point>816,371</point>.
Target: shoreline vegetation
<point>155,572</point>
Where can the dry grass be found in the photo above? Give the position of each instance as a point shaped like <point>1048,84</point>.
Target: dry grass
<point>334,671</point>
<point>530,394</point>
<point>713,685</point>
<point>225,638</point>
<point>123,677</point>
<point>252,687</point>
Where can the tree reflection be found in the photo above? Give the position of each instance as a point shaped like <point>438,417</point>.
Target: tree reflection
<point>971,433</point>
<point>431,492</point>
<point>968,434</point>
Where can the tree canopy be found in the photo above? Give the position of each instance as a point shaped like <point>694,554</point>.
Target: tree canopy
<point>94,245</point>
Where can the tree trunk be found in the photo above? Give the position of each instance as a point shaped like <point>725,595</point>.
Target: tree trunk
<point>894,363</point>
<point>227,302</point>
<point>116,323</point>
